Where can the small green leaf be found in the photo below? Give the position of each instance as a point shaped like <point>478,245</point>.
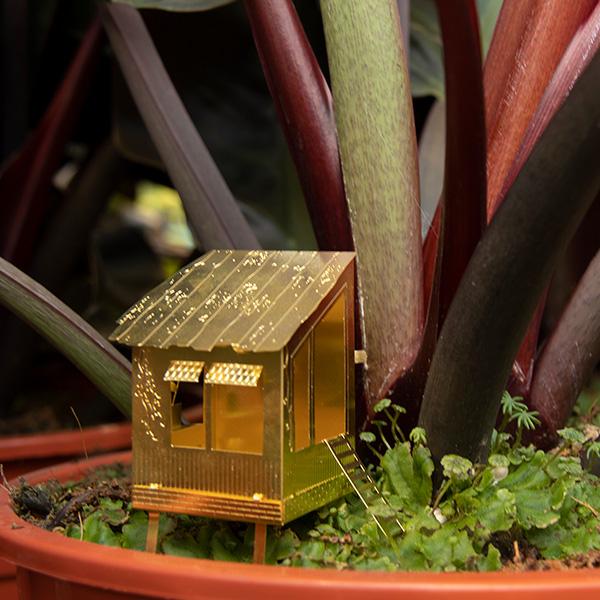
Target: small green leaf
<point>571,435</point>
<point>367,436</point>
<point>456,467</point>
<point>492,560</point>
<point>382,405</point>
<point>593,450</point>
<point>418,436</point>
<point>498,511</point>
<point>134,532</point>
<point>183,544</point>
<point>97,531</point>
<point>534,508</point>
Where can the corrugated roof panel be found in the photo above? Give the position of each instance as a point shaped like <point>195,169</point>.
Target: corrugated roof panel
<point>184,370</point>
<point>251,300</point>
<point>234,374</point>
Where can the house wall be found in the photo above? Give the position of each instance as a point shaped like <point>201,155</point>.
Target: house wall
<point>157,463</point>
<point>311,477</point>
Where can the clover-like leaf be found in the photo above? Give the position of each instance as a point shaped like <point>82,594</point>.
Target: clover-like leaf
<point>382,405</point>
<point>527,419</point>
<point>512,405</point>
<point>418,436</point>
<point>456,467</point>
<point>593,450</point>
<point>367,436</point>
<point>571,435</point>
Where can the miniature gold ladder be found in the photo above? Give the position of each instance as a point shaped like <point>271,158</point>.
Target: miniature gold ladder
<point>366,489</point>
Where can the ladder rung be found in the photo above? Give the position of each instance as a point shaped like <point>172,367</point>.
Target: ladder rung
<point>345,454</point>
<point>337,442</point>
<point>354,466</point>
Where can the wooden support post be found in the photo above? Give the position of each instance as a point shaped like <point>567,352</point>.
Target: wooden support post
<point>152,534</point>
<point>260,542</point>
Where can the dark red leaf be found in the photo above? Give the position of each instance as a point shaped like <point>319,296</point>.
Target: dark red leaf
<point>507,274</point>
<point>568,358</point>
<point>464,194</point>
<point>303,102</point>
<point>213,214</point>
<point>529,41</point>
<point>25,182</point>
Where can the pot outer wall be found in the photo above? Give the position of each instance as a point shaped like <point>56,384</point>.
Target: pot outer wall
<point>53,567</point>
<point>22,454</point>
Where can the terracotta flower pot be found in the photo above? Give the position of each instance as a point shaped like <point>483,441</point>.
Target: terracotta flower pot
<point>51,566</point>
<point>24,453</point>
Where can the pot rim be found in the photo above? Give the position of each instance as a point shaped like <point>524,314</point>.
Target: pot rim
<point>179,578</point>
<point>66,442</point>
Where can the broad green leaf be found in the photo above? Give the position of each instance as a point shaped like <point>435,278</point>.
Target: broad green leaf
<point>409,475</point>
<point>176,5</point>
<point>93,355</point>
<point>498,510</point>
<point>135,531</point>
<point>95,529</point>
<point>527,475</point>
<point>282,545</point>
<point>373,111</point>
<point>492,560</point>
<point>184,545</point>
<point>534,508</point>
<point>112,511</point>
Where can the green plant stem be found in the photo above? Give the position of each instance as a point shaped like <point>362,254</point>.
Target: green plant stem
<point>374,118</point>
<point>443,489</point>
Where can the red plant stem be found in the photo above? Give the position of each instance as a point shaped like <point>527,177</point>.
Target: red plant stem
<point>304,105</point>
<point>26,180</point>
<point>582,48</point>
<point>431,247</point>
<point>526,79</point>
<point>568,358</point>
<point>530,39</point>
<point>464,195</point>
<point>580,51</point>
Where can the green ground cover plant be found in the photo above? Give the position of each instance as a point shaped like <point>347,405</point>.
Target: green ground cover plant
<point>523,503</point>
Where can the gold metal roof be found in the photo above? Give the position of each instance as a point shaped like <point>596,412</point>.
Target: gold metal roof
<point>250,300</point>
<point>184,370</point>
<point>234,374</point>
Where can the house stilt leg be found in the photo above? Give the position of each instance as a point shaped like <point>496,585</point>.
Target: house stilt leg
<point>260,542</point>
<point>152,534</point>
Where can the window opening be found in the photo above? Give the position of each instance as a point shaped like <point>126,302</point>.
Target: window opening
<point>185,379</point>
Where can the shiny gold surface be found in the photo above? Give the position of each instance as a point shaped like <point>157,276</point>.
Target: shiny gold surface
<point>257,454</point>
<point>234,374</point>
<point>217,506</point>
<point>251,300</point>
<point>301,410</point>
<point>329,388</point>
<point>237,416</point>
<point>184,370</point>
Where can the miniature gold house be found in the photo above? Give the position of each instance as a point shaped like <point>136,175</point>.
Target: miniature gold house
<point>267,340</point>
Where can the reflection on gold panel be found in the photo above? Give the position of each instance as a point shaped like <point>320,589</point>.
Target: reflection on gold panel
<point>330,373</point>
<point>301,396</point>
<point>237,418</point>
